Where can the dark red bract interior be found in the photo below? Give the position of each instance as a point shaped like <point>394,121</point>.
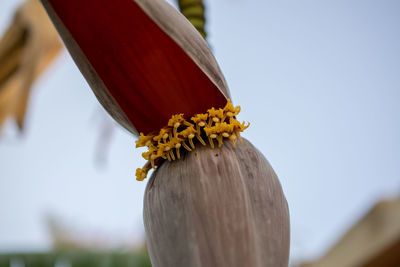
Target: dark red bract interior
<point>147,73</point>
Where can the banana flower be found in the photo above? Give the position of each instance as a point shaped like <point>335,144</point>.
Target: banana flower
<point>211,201</point>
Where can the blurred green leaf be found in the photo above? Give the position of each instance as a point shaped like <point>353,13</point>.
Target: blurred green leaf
<point>77,259</point>
<point>193,10</point>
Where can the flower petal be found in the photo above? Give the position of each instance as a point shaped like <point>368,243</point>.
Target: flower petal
<point>143,59</point>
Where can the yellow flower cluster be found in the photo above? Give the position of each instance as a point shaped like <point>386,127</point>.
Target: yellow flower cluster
<point>215,124</point>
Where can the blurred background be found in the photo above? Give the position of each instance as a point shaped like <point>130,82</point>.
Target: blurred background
<point>318,80</point>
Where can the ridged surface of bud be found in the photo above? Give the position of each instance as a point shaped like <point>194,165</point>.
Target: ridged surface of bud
<point>217,207</point>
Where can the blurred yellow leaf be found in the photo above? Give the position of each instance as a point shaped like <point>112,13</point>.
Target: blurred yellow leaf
<point>27,47</point>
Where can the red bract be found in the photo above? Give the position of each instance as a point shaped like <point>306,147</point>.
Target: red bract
<point>144,61</point>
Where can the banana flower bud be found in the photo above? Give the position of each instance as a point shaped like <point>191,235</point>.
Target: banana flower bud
<point>210,201</point>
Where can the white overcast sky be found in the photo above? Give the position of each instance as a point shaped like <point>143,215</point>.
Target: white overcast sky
<point>318,80</point>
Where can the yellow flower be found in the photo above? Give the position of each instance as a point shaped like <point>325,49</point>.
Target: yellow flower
<point>176,143</point>
<point>211,133</point>
<point>176,120</point>
<point>211,130</point>
<point>231,111</point>
<point>239,126</point>
<point>200,119</point>
<point>215,115</point>
<point>168,142</point>
<point>146,155</point>
<point>224,128</point>
<point>164,134</point>
<point>141,173</point>
<point>188,132</point>
<point>144,140</point>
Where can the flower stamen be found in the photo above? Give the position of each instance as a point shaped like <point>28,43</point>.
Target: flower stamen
<point>191,136</point>
<point>152,158</point>
<point>186,146</point>
<point>171,153</point>
<point>177,147</point>
<point>233,140</point>
<point>211,142</point>
<point>201,140</point>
